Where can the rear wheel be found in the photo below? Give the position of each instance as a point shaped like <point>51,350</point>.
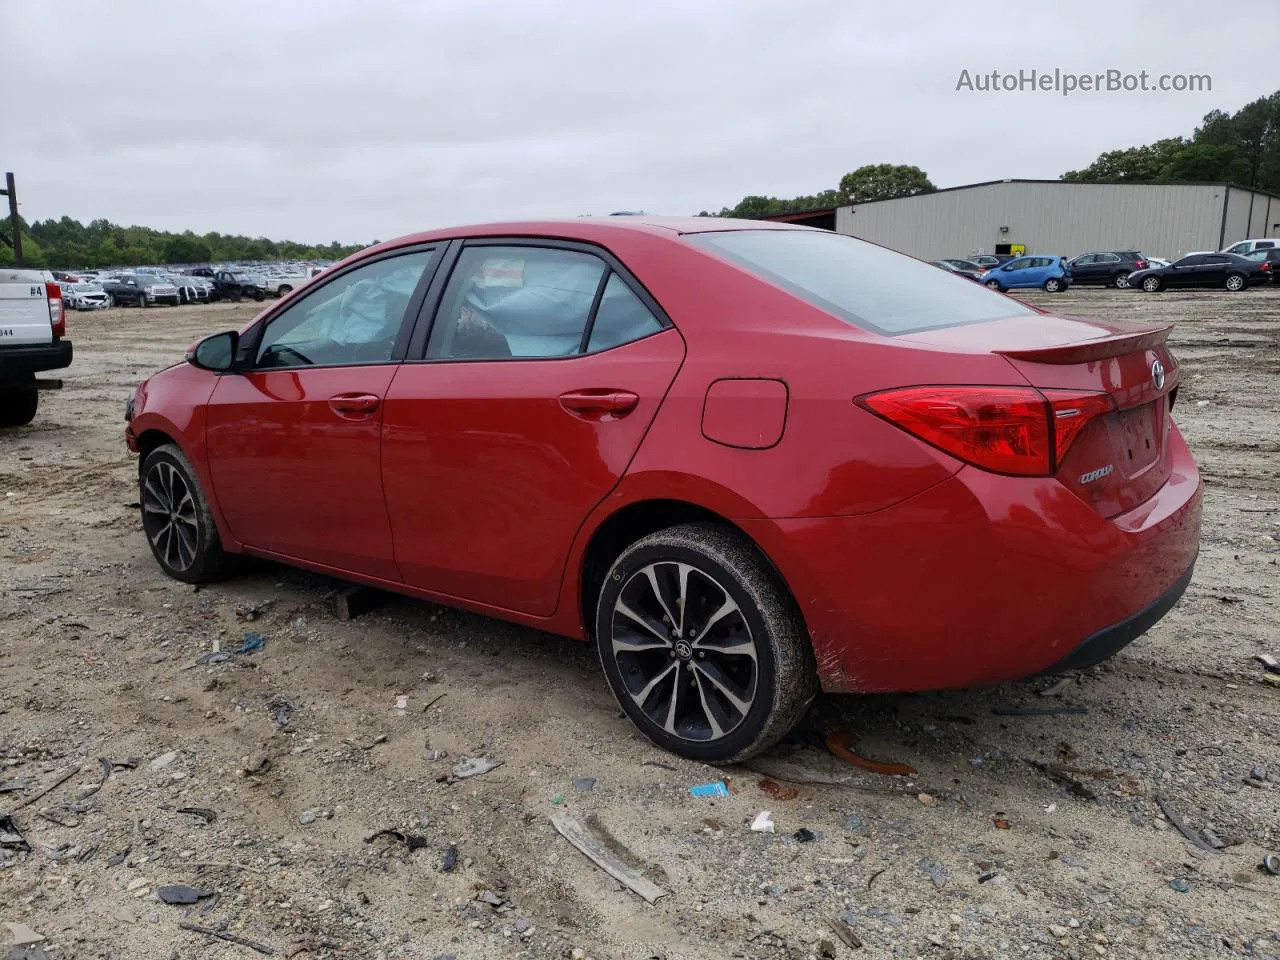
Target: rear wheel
<point>702,645</point>
<point>18,402</point>
<point>1054,285</point>
<point>993,284</point>
<point>1152,284</point>
<point>258,295</point>
<point>1121,280</point>
<point>283,290</point>
<point>177,520</point>
<point>1236,282</point>
<point>142,300</point>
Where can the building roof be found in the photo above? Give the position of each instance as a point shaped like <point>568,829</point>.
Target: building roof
<point>1082,183</point>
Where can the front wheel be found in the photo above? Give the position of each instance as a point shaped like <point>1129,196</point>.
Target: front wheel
<point>1152,284</point>
<point>258,295</point>
<point>1236,282</point>
<point>1121,280</point>
<point>177,520</point>
<point>1054,285</point>
<point>142,300</point>
<point>701,644</point>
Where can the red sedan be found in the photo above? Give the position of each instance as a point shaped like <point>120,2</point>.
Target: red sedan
<point>746,460</point>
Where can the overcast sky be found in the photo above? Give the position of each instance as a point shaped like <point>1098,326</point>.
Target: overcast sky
<point>331,120</point>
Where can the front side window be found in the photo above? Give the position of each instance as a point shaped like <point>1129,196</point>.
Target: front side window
<point>863,284</point>
<point>355,319</point>
<point>512,302</point>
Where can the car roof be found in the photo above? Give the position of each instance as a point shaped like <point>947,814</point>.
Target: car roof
<point>597,229</point>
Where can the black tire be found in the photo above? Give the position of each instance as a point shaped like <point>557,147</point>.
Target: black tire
<point>111,300</point>
<point>1152,284</point>
<point>177,521</point>
<point>284,290</point>
<point>1235,282</point>
<point>142,301</point>
<point>1120,281</point>
<point>258,295</point>
<point>779,674</point>
<point>1054,285</point>
<point>994,285</point>
<point>19,401</point>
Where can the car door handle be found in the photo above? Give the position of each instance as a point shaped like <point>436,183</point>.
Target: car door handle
<point>598,403</point>
<point>353,404</point>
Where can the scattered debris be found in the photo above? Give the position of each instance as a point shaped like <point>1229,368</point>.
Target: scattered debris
<point>775,791</point>
<point>474,767</point>
<point>308,817</point>
<point>11,836</point>
<point>1001,821</point>
<point>491,898</point>
<point>558,800</point>
<point>597,853</point>
<point>716,789</point>
<point>402,702</point>
<point>936,872</point>
<point>118,858</point>
<point>59,779</point>
<point>826,950</point>
<point>179,894</point>
<point>256,765</point>
<point>376,741</point>
<point>20,935</point>
<point>204,813</point>
<point>162,761</point>
<point>926,799</point>
<point>282,712</point>
<point>230,938</point>
<point>1269,662</point>
<point>763,823</point>
<point>840,927</point>
<point>1180,885</point>
<point>434,755</point>
<point>872,879</point>
<point>1037,711</point>
<point>584,784</point>
<point>251,612</point>
<point>450,859</point>
<point>252,642</point>
<point>355,601</point>
<point>1055,688</point>
<point>838,743</point>
<point>1060,775</point>
<point>433,701</point>
<point>1271,864</point>
<point>658,763</point>
<point>8,786</point>
<point>1182,828</point>
<point>804,835</point>
<point>412,841</point>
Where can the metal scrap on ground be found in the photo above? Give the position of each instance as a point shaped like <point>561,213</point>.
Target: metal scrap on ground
<point>595,851</point>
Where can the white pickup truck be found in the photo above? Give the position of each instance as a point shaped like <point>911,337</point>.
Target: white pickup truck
<point>33,338</point>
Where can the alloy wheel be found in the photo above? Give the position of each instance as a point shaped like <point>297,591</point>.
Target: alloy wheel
<point>1122,281</point>
<point>1235,282</point>
<point>684,651</point>
<point>1151,284</point>
<point>169,516</point>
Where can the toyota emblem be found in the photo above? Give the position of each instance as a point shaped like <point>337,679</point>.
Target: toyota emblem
<point>1157,375</point>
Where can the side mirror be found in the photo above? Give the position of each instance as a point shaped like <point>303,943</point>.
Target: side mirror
<point>216,353</point>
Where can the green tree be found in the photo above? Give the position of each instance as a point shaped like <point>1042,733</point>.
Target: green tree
<point>883,181</point>
<point>187,248</point>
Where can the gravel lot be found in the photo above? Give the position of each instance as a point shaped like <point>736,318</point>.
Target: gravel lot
<point>306,748</point>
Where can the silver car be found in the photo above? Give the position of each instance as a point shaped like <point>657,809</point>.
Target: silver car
<point>85,296</point>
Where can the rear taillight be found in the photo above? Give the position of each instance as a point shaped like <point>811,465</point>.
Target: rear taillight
<point>1140,264</point>
<point>57,315</point>
<point>1266,266</point>
<point>1019,431</point>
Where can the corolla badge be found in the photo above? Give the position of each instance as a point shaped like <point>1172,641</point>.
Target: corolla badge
<point>1098,474</point>
<point>1157,374</point>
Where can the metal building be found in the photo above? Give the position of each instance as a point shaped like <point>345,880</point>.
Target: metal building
<point>1066,218</point>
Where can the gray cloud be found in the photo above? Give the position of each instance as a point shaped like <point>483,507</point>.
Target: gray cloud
<point>355,120</point>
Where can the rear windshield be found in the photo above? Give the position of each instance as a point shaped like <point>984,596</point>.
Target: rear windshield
<point>863,284</point>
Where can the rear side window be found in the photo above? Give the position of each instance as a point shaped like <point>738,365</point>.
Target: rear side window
<point>863,284</point>
<point>620,318</point>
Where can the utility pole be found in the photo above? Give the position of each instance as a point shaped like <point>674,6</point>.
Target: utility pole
<point>12,193</point>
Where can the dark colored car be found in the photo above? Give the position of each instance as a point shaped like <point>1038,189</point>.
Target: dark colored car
<point>1228,271</point>
<point>230,285</point>
<point>1111,268</point>
<point>990,260</point>
<point>963,268</point>
<point>1270,255</point>
<point>140,289</point>
<point>747,461</point>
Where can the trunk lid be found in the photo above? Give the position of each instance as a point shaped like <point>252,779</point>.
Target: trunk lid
<point>24,310</point>
<point>1118,459</point>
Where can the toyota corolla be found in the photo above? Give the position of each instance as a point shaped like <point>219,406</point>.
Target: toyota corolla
<point>747,461</point>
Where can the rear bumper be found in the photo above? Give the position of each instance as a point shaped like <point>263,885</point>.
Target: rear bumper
<point>983,579</point>
<point>18,360</point>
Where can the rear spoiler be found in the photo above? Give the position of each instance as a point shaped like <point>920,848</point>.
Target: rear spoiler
<point>1113,346</point>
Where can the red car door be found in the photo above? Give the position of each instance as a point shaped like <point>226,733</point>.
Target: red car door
<point>293,441</point>
<point>542,374</point>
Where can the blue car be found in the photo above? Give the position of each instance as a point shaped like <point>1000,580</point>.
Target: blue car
<point>1049,273</point>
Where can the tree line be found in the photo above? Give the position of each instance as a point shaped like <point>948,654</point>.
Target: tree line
<point>69,244</point>
<point>1241,148</point>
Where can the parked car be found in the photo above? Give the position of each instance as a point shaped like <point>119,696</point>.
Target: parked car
<point>1270,256</point>
<point>232,285</point>
<point>1049,273</point>
<point>1248,246</point>
<point>1226,270</point>
<point>282,284</point>
<point>1158,262</point>
<point>1111,268</point>
<point>85,296</point>
<point>990,260</point>
<point>191,289</point>
<point>604,423</point>
<point>33,339</point>
<point>139,289</point>
<point>961,268</point>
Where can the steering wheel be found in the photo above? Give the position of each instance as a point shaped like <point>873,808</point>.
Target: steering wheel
<point>291,357</point>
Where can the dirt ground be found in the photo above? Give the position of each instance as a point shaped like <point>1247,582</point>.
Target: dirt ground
<point>299,752</point>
